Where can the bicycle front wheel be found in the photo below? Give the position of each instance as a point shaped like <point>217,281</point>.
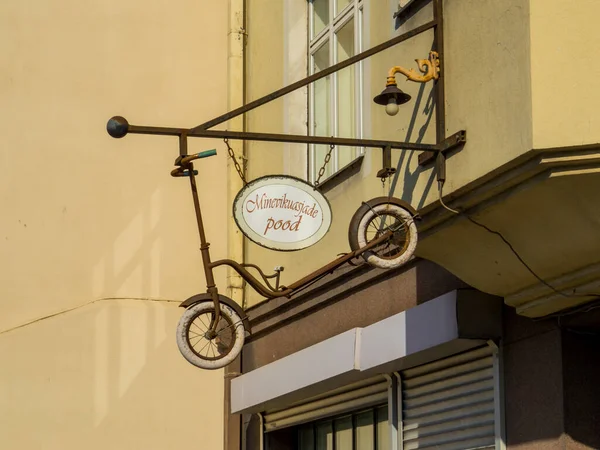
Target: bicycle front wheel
<point>209,350</point>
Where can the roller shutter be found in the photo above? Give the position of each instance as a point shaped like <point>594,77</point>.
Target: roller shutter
<point>449,404</point>
<point>364,394</point>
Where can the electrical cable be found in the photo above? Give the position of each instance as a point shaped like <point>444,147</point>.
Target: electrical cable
<point>510,246</point>
<point>67,310</point>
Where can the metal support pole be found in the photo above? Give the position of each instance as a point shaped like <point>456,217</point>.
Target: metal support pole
<point>440,94</point>
<point>118,127</point>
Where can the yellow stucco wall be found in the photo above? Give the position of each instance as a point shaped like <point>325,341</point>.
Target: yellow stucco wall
<point>86,218</point>
<point>488,92</point>
<point>565,72</point>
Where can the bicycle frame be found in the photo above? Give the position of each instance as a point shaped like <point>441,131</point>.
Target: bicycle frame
<point>186,169</point>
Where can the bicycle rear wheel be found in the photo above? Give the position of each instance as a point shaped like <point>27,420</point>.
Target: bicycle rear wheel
<point>373,219</point>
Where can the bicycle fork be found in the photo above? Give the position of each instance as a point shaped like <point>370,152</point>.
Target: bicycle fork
<point>211,287</point>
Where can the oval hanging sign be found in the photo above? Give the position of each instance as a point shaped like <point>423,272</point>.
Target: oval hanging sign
<point>282,213</point>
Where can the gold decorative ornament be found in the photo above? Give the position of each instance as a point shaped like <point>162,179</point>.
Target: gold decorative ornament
<point>429,67</point>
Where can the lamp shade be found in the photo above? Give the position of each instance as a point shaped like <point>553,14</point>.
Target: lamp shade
<point>389,92</point>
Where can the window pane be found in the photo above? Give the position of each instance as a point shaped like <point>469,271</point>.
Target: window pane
<point>320,17</point>
<point>324,436</point>
<point>364,431</point>
<point>383,432</point>
<point>321,107</point>
<point>306,438</point>
<point>341,4</point>
<point>321,58</point>
<point>346,98</point>
<point>343,433</point>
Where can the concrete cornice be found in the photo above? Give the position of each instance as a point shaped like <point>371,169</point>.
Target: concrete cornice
<point>495,185</point>
<point>483,195</point>
<point>585,279</point>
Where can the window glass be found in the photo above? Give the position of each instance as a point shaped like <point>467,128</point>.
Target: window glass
<point>383,433</point>
<point>306,438</point>
<point>324,431</point>
<point>365,431</point>
<point>346,95</point>
<point>341,4</point>
<point>343,433</point>
<point>320,15</point>
<point>322,106</point>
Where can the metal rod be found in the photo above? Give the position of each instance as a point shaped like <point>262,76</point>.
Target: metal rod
<point>204,246</point>
<point>440,95</point>
<point>183,145</point>
<point>289,138</point>
<point>323,73</point>
<point>303,139</point>
<point>440,106</point>
<point>333,265</point>
<point>288,291</point>
<point>387,157</point>
<point>386,163</point>
<point>254,283</point>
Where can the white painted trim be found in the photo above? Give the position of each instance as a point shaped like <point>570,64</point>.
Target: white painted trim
<point>423,327</point>
<point>500,430</point>
<point>395,404</point>
<point>328,36</point>
<point>261,443</point>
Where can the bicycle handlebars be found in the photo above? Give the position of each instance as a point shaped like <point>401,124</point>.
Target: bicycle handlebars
<point>183,171</point>
<point>204,154</point>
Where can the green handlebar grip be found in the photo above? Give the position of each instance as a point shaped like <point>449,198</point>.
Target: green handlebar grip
<point>207,153</point>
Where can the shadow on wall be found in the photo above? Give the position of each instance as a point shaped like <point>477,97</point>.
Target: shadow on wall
<point>106,233</point>
<point>156,253</point>
<point>410,179</point>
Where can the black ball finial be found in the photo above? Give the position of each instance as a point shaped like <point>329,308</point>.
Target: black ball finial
<point>117,127</point>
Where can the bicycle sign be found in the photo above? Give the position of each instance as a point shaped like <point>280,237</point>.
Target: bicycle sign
<point>288,214</point>
<point>282,213</point>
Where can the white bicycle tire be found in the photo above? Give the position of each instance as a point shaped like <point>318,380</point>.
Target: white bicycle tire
<point>371,257</point>
<point>183,342</point>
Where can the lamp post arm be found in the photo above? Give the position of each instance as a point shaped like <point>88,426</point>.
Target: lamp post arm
<point>430,68</point>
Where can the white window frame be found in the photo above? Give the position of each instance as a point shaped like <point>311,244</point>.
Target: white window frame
<point>328,36</point>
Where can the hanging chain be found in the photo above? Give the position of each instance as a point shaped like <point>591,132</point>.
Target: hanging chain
<point>322,169</point>
<point>237,166</point>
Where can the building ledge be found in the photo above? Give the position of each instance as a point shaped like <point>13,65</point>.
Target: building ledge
<point>451,323</point>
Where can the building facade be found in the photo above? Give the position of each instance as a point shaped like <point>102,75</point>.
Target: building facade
<point>99,244</point>
<point>488,338</point>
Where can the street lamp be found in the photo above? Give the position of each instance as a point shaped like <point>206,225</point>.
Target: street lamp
<point>391,96</point>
